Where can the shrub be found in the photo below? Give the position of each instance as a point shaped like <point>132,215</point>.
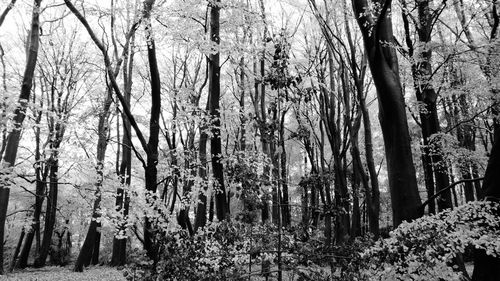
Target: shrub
<point>425,249</point>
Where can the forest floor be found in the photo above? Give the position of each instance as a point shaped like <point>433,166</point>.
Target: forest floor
<point>57,273</point>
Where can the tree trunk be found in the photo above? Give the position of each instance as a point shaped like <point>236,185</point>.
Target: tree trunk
<point>16,251</point>
<point>3,214</point>
<point>151,172</point>
<point>285,205</point>
<point>88,251</point>
<point>201,209</point>
<point>383,63</point>
<point>10,154</point>
<point>222,209</point>
<point>243,118</point>
<point>466,137</point>
<point>422,73</point>
<point>372,195</point>
<point>359,176</point>
<point>85,257</point>
<point>275,216</point>
<point>6,11</point>
<point>487,267</point>
<point>41,172</point>
<point>119,254</point>
<point>50,213</point>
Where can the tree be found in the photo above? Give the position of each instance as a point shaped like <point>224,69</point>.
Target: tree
<point>214,90</point>
<point>119,255</point>
<point>10,153</point>
<point>150,147</point>
<point>486,266</point>
<point>385,72</point>
<point>41,173</point>
<point>435,169</point>
<point>61,74</point>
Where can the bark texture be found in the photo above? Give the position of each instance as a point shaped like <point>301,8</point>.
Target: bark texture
<point>383,63</point>
<point>10,153</point>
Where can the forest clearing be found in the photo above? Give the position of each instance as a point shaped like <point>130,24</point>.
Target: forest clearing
<point>250,140</point>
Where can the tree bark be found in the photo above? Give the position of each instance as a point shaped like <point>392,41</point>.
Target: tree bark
<point>16,251</point>
<point>50,213</point>
<point>89,250</point>
<point>372,195</point>
<point>201,209</point>
<point>151,171</point>
<point>6,11</point>
<point>119,254</point>
<point>486,267</point>
<point>4,197</point>
<point>285,205</point>
<point>41,172</point>
<point>14,136</point>
<point>422,74</point>
<point>383,63</point>
<point>222,210</point>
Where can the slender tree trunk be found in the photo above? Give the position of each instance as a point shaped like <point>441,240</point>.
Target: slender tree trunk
<point>260,107</point>
<point>41,172</point>
<point>119,254</point>
<point>16,251</point>
<point>215,141</point>
<point>331,118</point>
<point>151,172</point>
<point>242,141</point>
<point>6,11</point>
<point>467,139</point>
<point>359,176</point>
<point>477,184</point>
<point>4,192</point>
<point>275,165</point>
<point>50,213</point>
<point>372,195</point>
<point>201,210</point>
<point>422,73</point>
<point>10,153</point>
<point>325,185</point>
<point>285,205</point>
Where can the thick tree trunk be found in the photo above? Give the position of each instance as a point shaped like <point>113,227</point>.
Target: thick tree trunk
<point>383,63</point>
<point>222,209</point>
